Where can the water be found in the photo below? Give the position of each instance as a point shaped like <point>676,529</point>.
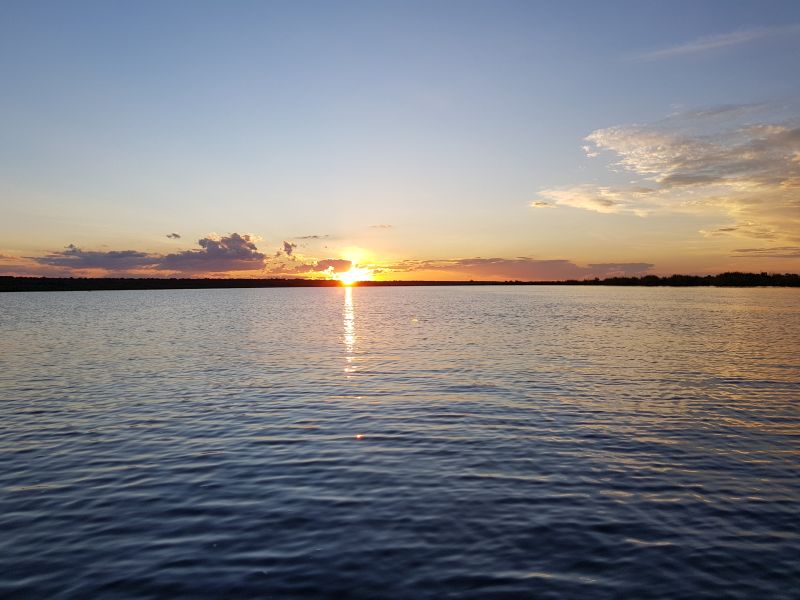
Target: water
<point>401,443</point>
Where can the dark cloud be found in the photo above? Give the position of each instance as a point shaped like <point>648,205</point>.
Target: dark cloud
<point>313,237</point>
<point>216,255</point>
<point>523,269</point>
<point>174,236</point>
<point>227,253</point>
<point>288,248</point>
<point>116,260</point>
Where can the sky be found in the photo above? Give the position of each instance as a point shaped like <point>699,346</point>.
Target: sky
<point>455,140</point>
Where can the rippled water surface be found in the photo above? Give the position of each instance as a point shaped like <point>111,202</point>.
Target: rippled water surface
<point>536,442</point>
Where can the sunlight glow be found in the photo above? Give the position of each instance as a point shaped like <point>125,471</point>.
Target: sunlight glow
<point>353,275</point>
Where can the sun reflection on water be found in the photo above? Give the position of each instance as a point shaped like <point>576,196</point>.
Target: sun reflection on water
<point>348,315</point>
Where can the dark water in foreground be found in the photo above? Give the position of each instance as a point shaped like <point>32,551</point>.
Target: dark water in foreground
<point>517,442</point>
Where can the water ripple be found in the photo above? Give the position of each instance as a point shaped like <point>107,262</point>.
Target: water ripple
<point>400,443</point>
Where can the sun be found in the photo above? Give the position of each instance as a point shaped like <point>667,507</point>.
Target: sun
<point>353,275</point>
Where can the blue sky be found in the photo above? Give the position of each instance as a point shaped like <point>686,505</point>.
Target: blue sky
<point>443,122</point>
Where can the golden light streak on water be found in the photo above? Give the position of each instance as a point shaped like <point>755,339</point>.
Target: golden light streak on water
<point>349,339</point>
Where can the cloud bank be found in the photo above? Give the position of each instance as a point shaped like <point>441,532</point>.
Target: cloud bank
<point>232,253</point>
<point>74,258</point>
<point>705,161</point>
<point>217,254</point>
<point>237,255</point>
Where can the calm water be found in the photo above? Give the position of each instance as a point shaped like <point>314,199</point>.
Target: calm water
<point>401,443</point>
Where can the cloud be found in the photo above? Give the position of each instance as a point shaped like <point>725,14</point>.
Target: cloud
<point>721,111</point>
<point>522,268</point>
<point>602,199</point>
<point>237,253</point>
<point>714,42</point>
<point>329,266</point>
<point>741,229</point>
<point>599,199</point>
<point>774,252</point>
<point>334,265</point>
<point>380,226</point>
<point>288,248</point>
<point>217,254</point>
<point>313,237</point>
<point>708,161</point>
<point>21,266</point>
<point>758,154</point>
<point>115,260</point>
<point>174,236</point>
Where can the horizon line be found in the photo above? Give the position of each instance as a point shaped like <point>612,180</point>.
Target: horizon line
<point>15,283</point>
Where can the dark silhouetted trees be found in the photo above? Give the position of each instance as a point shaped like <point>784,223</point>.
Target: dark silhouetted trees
<point>58,284</point>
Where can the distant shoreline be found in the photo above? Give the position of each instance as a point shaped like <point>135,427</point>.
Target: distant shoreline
<point>65,284</point>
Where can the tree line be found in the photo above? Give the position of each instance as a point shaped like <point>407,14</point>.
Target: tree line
<point>52,284</point>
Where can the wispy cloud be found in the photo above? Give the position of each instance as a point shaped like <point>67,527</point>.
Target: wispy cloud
<point>714,42</point>
<point>521,269</point>
<point>602,199</point>
<point>774,252</point>
<point>747,229</point>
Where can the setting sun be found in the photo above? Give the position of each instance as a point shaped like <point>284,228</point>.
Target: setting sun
<point>353,275</point>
